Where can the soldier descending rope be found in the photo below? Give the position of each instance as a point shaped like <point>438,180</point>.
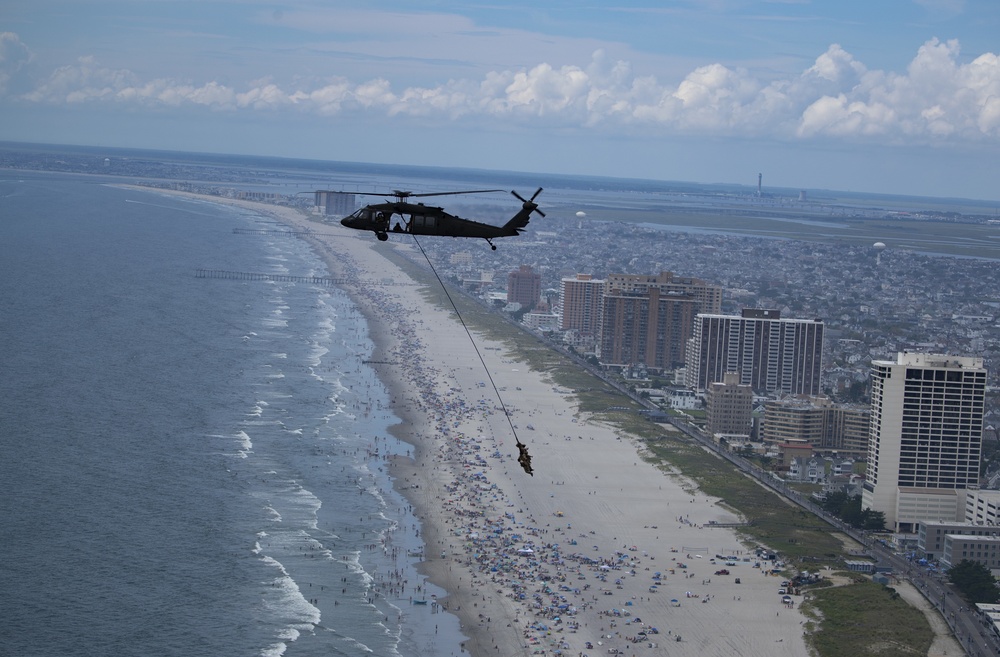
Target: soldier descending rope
<point>524,458</point>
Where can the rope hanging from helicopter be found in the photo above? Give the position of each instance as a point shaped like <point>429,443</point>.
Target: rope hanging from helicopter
<point>523,457</point>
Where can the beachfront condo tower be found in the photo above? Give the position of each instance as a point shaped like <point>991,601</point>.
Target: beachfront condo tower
<point>925,437</point>
<point>771,354</point>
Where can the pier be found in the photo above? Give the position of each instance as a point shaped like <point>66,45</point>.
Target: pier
<point>288,278</point>
<point>269,231</point>
<point>277,278</point>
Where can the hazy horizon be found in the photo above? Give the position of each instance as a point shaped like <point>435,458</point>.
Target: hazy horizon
<point>979,205</point>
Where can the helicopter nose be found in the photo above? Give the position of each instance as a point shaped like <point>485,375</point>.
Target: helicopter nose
<point>346,221</point>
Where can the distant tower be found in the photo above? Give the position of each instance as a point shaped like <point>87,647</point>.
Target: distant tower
<point>760,178</point>
<point>879,248</point>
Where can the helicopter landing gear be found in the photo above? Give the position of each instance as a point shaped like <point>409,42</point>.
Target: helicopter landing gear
<point>382,236</point>
<point>490,242</point>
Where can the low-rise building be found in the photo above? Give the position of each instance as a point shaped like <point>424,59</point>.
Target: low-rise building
<point>932,536</point>
<point>989,615</point>
<point>981,549</point>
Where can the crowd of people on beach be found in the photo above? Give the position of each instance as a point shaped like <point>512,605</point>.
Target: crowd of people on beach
<point>564,589</point>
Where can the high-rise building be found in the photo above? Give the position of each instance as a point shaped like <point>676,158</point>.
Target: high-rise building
<point>524,286</point>
<point>925,437</point>
<point>709,296</point>
<point>772,355</point>
<point>646,328</point>
<point>648,320</point>
<point>334,203</point>
<point>580,298</point>
<point>729,407</point>
<point>845,430</point>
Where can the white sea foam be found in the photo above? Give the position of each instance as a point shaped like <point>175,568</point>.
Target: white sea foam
<point>317,353</point>
<point>353,562</point>
<point>274,650</point>
<point>289,605</point>
<point>246,446</point>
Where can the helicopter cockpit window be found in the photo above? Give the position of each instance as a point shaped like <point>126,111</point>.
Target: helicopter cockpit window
<point>363,213</point>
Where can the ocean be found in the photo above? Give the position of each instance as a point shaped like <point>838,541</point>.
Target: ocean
<point>191,466</point>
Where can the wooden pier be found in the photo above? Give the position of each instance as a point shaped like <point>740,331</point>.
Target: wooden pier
<point>277,278</point>
<point>269,231</point>
<point>289,278</point>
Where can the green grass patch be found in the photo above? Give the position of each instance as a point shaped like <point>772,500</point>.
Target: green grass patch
<point>797,534</point>
<point>865,618</point>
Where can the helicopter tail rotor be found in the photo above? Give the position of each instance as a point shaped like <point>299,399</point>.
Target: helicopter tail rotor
<point>529,204</point>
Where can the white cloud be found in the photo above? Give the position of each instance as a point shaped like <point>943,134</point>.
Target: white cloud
<point>14,55</point>
<point>938,97</point>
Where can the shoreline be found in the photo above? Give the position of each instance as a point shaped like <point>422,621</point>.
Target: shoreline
<point>599,521</point>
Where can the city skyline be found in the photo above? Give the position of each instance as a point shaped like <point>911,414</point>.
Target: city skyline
<point>902,97</point>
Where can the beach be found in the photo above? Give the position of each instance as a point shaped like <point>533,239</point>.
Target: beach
<point>599,552</point>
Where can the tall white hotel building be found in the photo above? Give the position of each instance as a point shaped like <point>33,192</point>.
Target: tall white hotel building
<point>925,437</point>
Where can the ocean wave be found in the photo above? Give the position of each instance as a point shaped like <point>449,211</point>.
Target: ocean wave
<point>246,445</point>
<point>286,602</point>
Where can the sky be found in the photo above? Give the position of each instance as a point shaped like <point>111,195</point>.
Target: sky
<point>886,96</point>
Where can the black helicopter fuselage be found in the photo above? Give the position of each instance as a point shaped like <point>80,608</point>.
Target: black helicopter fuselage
<point>420,219</point>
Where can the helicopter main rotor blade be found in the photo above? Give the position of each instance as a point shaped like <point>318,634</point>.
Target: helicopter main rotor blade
<point>470,191</point>
<point>401,194</point>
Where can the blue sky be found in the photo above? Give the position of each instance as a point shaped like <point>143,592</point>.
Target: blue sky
<point>894,96</point>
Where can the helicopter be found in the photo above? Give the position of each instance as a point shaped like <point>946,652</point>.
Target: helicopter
<point>420,219</point>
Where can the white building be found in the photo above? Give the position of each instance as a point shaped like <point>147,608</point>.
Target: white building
<point>982,507</point>
<point>684,400</point>
<point>925,437</point>
<point>541,321</point>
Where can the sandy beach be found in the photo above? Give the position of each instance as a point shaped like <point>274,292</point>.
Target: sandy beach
<point>599,552</point>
